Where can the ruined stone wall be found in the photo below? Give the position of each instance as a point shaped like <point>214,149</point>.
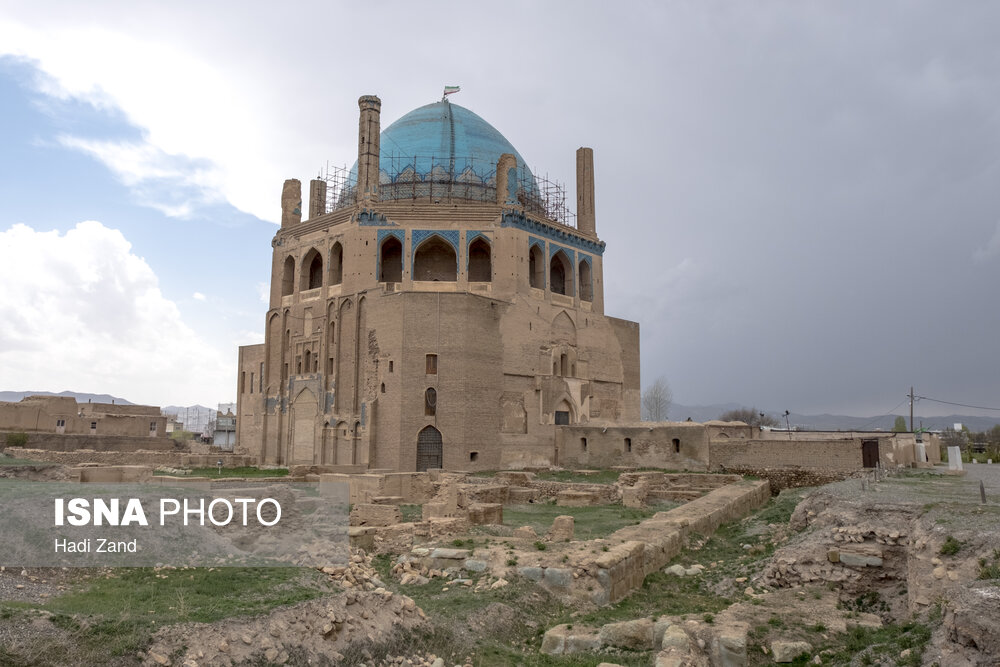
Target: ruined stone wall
<point>250,399</point>
<point>635,444</point>
<point>155,459</point>
<point>842,455</point>
<point>54,442</point>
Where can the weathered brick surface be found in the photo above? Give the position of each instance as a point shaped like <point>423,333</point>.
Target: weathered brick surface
<point>367,514</point>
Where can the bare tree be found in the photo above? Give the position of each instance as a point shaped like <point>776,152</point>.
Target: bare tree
<point>748,416</point>
<point>656,401</point>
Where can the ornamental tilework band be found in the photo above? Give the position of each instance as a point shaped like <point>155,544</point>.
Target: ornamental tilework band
<point>553,249</point>
<point>535,241</point>
<point>418,236</point>
<point>565,236</point>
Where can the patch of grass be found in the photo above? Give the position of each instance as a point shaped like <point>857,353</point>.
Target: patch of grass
<point>990,570</point>
<point>12,461</point>
<point>951,546</point>
<point>411,513</point>
<point>16,439</point>
<point>879,645</point>
<point>117,615</point>
<point>541,546</point>
<point>589,522</point>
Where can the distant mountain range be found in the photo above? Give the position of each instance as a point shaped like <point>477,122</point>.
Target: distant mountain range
<point>15,396</point>
<point>827,422</point>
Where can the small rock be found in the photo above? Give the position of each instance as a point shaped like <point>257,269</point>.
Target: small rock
<point>159,658</point>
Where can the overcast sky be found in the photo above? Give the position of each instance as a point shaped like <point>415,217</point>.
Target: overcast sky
<point>800,200</point>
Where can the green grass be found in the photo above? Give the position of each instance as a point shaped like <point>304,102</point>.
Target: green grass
<point>249,471</point>
<point>11,461</point>
<point>411,513</point>
<point>951,546</point>
<point>589,522</point>
<point>116,616</point>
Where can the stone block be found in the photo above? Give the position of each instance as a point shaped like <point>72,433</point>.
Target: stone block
<point>369,514</point>
<point>854,559</point>
<point>577,498</point>
<point>729,647</point>
<point>562,529</point>
<point>475,565</point>
<point>481,514</point>
<point>517,495</point>
<point>636,635</point>
<point>485,493</point>
<point>634,496</point>
<point>783,651</point>
<point>532,573</point>
<point>450,554</point>
<point>361,537</point>
<point>434,511</point>
<point>558,577</point>
<point>675,637</point>
<point>525,533</point>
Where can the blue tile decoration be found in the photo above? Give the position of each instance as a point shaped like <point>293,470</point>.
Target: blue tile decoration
<point>369,218</point>
<point>566,236</point>
<point>535,241</point>
<point>420,235</point>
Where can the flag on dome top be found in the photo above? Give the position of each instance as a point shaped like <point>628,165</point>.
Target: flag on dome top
<point>448,90</point>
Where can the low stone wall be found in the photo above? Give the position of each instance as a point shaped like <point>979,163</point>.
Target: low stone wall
<point>150,458</point>
<point>785,478</point>
<point>636,551</point>
<point>56,442</point>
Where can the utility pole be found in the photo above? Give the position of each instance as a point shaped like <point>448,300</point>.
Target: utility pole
<point>911,408</point>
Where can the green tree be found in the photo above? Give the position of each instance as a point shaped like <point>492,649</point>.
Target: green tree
<point>900,425</point>
<point>749,416</point>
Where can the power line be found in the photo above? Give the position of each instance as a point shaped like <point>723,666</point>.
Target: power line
<point>887,414</point>
<point>963,405</point>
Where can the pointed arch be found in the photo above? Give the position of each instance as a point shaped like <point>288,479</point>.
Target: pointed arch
<point>429,449</point>
<point>391,261</point>
<point>536,267</point>
<point>336,264</point>
<point>563,330</point>
<point>312,270</point>
<point>288,277</point>
<point>480,261</point>
<point>561,274</point>
<point>435,259</point>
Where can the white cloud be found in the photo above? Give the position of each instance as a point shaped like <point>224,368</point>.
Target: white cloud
<point>991,249</point>
<point>191,112</point>
<point>198,296</point>
<point>264,292</point>
<point>80,311</point>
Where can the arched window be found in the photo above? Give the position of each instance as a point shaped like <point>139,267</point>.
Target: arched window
<point>560,278</point>
<point>308,356</point>
<point>288,277</point>
<point>435,259</point>
<point>586,286</point>
<point>391,269</point>
<point>536,267</point>
<point>480,268</point>
<point>337,264</point>
<point>430,402</point>
<point>312,270</point>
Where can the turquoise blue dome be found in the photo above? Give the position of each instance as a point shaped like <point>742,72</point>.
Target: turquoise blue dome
<point>442,142</point>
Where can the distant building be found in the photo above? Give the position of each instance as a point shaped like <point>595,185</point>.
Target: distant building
<point>225,430</point>
<point>64,416</point>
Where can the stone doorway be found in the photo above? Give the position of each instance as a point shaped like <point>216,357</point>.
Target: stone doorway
<point>429,449</point>
<point>869,453</point>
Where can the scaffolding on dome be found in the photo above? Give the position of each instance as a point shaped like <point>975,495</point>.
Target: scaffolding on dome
<point>430,179</point>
